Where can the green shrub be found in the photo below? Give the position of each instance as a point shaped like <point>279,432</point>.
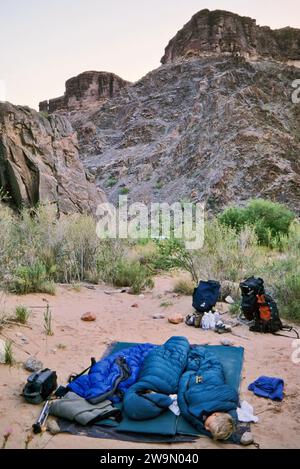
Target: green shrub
<point>131,274</point>
<point>271,220</point>
<point>111,182</point>
<point>124,190</point>
<point>22,314</point>
<point>31,279</point>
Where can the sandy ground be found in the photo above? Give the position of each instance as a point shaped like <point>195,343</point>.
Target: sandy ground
<point>74,342</point>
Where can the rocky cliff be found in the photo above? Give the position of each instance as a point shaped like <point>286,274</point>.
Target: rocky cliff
<point>221,32</point>
<point>213,129</point>
<point>39,162</point>
<point>84,91</point>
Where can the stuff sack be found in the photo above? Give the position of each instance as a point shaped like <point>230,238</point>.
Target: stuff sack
<point>206,295</point>
<point>39,386</point>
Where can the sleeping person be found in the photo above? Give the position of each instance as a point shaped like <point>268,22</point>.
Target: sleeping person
<point>204,398</point>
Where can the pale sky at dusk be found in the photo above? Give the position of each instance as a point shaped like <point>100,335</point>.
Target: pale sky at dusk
<point>43,42</point>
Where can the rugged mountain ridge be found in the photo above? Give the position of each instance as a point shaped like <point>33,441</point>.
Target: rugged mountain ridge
<point>39,162</point>
<point>214,123</point>
<point>219,130</point>
<point>222,32</point>
<point>86,90</point>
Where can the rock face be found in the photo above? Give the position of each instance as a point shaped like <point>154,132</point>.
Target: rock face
<point>221,32</point>
<point>39,161</point>
<point>85,91</point>
<point>214,129</point>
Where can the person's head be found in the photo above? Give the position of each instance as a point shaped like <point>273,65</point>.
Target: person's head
<point>220,425</point>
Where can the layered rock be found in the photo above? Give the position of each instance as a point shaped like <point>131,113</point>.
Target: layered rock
<point>214,129</point>
<point>84,91</point>
<point>221,32</point>
<point>39,162</point>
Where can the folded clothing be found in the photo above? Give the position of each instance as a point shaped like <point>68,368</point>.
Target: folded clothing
<point>272,388</point>
<point>75,408</point>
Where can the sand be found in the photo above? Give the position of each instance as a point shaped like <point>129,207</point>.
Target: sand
<point>74,342</point>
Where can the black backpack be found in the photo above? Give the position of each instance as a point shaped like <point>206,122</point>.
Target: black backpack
<point>206,295</point>
<point>260,307</point>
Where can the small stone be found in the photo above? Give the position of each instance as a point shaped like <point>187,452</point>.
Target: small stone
<point>135,305</point>
<point>176,319</point>
<point>158,316</point>
<point>226,342</point>
<point>19,334</point>
<point>247,439</point>
<point>141,295</point>
<point>32,364</point>
<point>229,300</point>
<point>88,317</point>
<point>54,350</point>
<point>52,427</point>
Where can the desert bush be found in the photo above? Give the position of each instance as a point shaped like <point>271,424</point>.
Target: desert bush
<point>271,220</point>
<point>184,287</point>
<point>31,279</point>
<point>132,274</point>
<point>9,354</point>
<point>21,314</point>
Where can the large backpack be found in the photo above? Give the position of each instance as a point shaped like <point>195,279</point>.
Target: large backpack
<point>259,307</point>
<point>206,295</point>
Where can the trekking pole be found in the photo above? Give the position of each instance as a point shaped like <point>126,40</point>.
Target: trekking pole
<point>38,425</point>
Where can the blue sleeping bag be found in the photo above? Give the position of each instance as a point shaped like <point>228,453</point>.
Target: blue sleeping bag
<point>105,374</point>
<point>159,377</point>
<point>202,389</point>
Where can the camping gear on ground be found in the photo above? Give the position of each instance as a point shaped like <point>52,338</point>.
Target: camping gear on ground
<point>206,295</point>
<point>38,425</point>
<point>166,428</point>
<point>246,413</point>
<point>261,308</point>
<point>159,377</point>
<point>222,328</point>
<point>39,386</point>
<point>203,390</point>
<point>75,408</point>
<point>271,388</point>
<point>209,320</point>
<point>110,377</point>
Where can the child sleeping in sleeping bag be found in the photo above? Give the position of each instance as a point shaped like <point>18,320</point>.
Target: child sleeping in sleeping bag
<point>204,399</point>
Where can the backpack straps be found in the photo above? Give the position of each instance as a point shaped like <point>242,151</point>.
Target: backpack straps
<point>288,329</point>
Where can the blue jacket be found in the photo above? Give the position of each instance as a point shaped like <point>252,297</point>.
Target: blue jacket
<point>159,377</point>
<point>266,386</point>
<point>202,389</point>
<point>105,374</point>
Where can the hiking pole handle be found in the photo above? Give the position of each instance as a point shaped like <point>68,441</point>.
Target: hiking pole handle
<point>37,426</point>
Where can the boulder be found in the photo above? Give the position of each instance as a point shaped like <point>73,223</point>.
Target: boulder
<point>32,364</point>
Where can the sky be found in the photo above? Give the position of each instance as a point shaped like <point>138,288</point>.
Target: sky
<point>45,42</point>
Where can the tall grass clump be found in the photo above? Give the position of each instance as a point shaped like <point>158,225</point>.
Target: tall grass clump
<point>22,314</point>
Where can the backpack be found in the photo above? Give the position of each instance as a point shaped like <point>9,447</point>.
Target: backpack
<point>206,295</point>
<point>260,307</point>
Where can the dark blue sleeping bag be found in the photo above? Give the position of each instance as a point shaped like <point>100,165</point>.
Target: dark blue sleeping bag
<point>159,377</point>
<point>202,389</point>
